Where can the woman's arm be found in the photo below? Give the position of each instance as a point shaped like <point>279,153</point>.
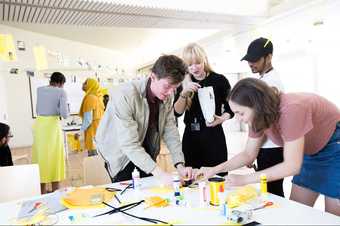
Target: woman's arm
<point>293,157</point>
<point>243,158</point>
<point>181,102</point>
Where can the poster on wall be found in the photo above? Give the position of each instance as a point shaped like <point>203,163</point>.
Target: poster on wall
<point>40,58</point>
<point>21,45</point>
<point>7,48</point>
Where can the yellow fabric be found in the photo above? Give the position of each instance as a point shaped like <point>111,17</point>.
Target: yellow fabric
<point>73,142</point>
<point>87,198</point>
<point>48,148</point>
<point>105,91</point>
<point>241,196</point>
<point>93,101</point>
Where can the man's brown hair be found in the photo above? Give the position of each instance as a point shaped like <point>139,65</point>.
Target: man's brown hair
<point>171,67</point>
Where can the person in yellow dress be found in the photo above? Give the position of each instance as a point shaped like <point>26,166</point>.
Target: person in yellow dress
<point>48,149</point>
<point>91,111</point>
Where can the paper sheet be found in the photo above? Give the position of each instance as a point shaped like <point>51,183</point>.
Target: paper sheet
<point>40,57</point>
<point>7,48</point>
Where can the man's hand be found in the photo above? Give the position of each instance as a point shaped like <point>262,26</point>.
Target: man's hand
<point>184,172</point>
<point>164,177</point>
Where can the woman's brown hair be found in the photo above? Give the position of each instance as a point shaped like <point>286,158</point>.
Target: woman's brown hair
<point>261,98</point>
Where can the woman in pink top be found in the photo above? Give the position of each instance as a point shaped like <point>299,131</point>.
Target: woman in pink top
<point>306,125</point>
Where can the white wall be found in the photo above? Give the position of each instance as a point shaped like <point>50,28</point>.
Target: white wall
<point>16,92</point>
<point>306,56</point>
<point>3,97</point>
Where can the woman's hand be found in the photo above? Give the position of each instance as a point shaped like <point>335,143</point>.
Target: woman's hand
<point>218,120</point>
<point>190,88</point>
<point>185,172</point>
<point>204,173</point>
<point>235,180</point>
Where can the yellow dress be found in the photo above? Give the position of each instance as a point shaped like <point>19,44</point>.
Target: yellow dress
<point>92,102</point>
<point>48,148</point>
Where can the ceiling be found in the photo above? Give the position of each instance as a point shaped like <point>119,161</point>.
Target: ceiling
<point>134,27</point>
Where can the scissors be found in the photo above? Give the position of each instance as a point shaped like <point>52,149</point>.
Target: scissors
<point>264,205</point>
<point>36,206</point>
<point>114,190</point>
<point>130,185</point>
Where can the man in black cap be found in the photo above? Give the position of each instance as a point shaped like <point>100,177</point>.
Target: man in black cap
<point>259,57</point>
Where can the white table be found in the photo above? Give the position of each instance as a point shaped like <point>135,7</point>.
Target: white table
<point>287,212</point>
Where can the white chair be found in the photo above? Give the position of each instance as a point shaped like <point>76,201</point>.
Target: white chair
<point>94,172</point>
<point>17,182</point>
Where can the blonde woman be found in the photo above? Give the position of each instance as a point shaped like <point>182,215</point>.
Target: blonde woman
<point>91,111</point>
<point>203,143</point>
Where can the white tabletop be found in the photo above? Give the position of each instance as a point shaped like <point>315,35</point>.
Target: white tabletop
<point>71,128</point>
<point>285,212</point>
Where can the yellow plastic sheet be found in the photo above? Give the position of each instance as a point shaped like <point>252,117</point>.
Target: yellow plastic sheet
<point>87,198</point>
<point>241,196</point>
<point>156,201</point>
<point>7,48</point>
<point>40,57</point>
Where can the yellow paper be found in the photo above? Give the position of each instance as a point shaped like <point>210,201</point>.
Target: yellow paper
<point>40,57</point>
<point>87,198</point>
<point>156,201</point>
<point>7,48</point>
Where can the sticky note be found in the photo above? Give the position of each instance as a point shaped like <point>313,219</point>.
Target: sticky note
<point>7,48</point>
<point>40,58</point>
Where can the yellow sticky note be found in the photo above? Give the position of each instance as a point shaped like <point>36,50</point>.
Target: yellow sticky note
<point>40,57</point>
<point>7,48</point>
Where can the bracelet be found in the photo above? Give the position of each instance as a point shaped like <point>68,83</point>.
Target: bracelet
<point>182,163</point>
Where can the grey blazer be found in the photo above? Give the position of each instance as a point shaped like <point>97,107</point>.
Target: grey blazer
<point>123,127</point>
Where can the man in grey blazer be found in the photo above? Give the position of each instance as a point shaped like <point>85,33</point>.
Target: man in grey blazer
<point>138,116</point>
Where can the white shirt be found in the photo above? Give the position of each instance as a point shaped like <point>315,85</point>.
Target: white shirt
<point>272,78</point>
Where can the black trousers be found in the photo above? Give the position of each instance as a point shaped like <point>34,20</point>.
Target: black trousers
<point>269,157</point>
<point>126,173</point>
<point>206,147</point>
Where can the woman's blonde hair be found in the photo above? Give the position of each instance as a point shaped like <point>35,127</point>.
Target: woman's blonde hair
<point>194,54</point>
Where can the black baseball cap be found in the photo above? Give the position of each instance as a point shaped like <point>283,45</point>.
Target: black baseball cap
<point>258,48</point>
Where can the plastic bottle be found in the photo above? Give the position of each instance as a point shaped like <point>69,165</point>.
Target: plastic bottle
<point>263,184</point>
<point>136,179</point>
<point>203,193</point>
<point>176,184</point>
